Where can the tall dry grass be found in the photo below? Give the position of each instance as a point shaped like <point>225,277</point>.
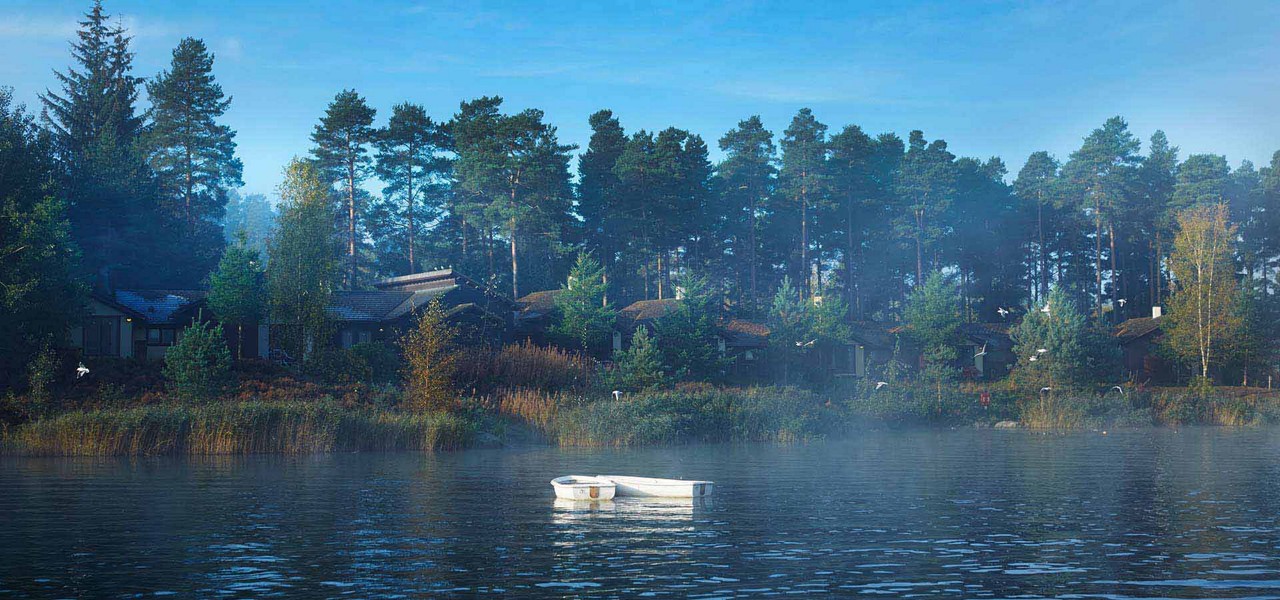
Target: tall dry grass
<point>237,428</point>
<point>524,365</point>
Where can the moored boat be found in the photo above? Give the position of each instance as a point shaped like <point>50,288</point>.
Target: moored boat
<point>651,487</point>
<point>583,487</point>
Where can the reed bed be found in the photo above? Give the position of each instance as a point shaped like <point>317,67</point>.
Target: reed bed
<point>237,428</point>
<point>526,366</point>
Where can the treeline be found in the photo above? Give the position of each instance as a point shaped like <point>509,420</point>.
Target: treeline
<point>98,191</point>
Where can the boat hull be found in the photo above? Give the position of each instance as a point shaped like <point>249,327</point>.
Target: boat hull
<point>581,487</point>
<point>648,487</point>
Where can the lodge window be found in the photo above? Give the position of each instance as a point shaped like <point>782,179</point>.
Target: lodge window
<point>366,337</point>
<point>161,336</point>
<point>102,336</point>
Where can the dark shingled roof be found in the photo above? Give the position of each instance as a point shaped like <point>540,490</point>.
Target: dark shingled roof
<point>159,307</point>
<point>741,333</point>
<point>365,306</point>
<point>996,334</point>
<point>872,334</point>
<point>644,311</point>
<point>1133,329</point>
<point>537,304</point>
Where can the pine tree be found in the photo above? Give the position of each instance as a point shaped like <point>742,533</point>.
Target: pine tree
<point>1037,185</point>
<point>192,154</point>
<point>304,266</point>
<point>342,140</point>
<point>803,181</point>
<point>746,180</point>
<point>411,164</point>
<point>598,192</point>
<point>925,187</point>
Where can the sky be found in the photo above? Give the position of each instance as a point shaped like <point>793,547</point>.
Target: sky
<point>991,78</point>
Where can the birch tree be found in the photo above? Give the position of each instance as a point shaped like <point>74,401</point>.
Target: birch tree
<point>1203,309</point>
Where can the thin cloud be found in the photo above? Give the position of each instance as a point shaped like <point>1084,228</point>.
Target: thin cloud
<point>37,27</point>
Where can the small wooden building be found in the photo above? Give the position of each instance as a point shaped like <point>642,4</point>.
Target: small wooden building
<point>143,324</point>
<point>1137,339</point>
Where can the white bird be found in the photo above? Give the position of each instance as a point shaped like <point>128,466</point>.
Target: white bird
<point>617,394</point>
<point>1004,312</point>
<point>1120,389</point>
<point>981,353</point>
<point>81,371</point>
<point>1045,389</point>
<point>1045,310</point>
<point>1122,301</point>
<point>880,384</point>
<point>1041,350</point>
<point>805,344</point>
<point>1033,358</point>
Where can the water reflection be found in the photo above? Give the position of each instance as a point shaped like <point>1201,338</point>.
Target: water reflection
<point>941,514</point>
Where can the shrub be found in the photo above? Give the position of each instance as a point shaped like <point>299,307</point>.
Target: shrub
<point>199,365</point>
<point>336,366</point>
<point>382,363</point>
<point>42,373</point>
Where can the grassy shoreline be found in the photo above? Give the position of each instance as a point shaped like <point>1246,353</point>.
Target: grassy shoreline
<point>681,414</point>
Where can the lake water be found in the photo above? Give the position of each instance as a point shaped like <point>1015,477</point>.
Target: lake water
<point>1160,513</point>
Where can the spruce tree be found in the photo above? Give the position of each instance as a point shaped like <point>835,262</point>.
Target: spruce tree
<point>192,154</point>
<point>110,191</point>
<point>585,317</point>
<point>341,151</point>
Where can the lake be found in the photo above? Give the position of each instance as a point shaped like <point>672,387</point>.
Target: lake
<point>974,513</point>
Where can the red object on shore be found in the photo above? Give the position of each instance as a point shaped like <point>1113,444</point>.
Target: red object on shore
<point>984,399</point>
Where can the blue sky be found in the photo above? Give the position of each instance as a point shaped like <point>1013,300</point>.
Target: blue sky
<point>991,78</point>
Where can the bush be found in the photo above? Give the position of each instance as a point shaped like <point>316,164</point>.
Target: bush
<point>336,366</point>
<point>42,373</point>
<point>380,360</point>
<point>199,365</point>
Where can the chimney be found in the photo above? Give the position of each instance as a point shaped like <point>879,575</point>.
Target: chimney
<point>1156,312</point>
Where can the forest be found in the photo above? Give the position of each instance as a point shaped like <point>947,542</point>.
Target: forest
<point>120,179</point>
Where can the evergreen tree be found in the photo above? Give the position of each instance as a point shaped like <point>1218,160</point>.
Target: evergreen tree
<point>192,154</point>
<point>1102,175</point>
<point>802,181</point>
<point>110,191</point>
<point>412,166</point>
<point>1076,353</point>
<point>640,366</point>
<point>342,140</point>
<point>688,337</point>
<point>304,266</point>
<point>198,366</point>
<point>598,193</point>
<point>925,187</point>
<point>790,325</point>
<point>40,293</point>
<point>585,318</point>
<point>1037,185</point>
<point>932,316</point>
<point>746,180</point>
<point>236,293</point>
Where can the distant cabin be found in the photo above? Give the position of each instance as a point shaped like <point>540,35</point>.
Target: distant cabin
<point>143,324</point>
<point>1138,339</point>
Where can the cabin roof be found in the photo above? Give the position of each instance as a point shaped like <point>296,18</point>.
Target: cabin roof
<point>1134,329</point>
<point>742,333</point>
<point>873,334</point>
<point>158,307</point>
<point>369,306</point>
<point>644,311</point>
<point>537,304</point>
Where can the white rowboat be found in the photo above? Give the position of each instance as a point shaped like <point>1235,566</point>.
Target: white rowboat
<point>583,487</point>
<point>650,487</point>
